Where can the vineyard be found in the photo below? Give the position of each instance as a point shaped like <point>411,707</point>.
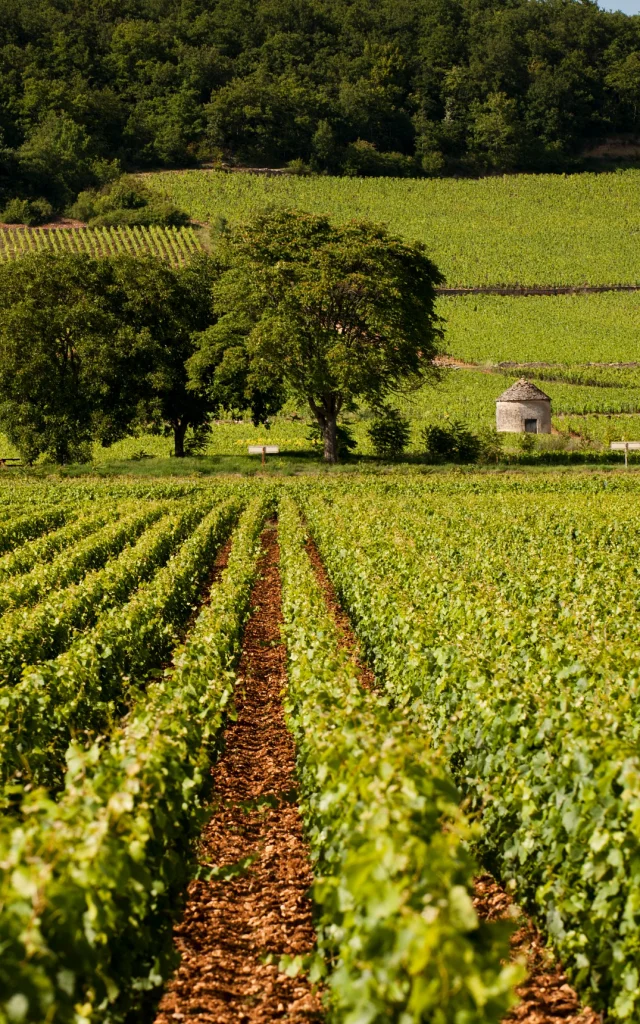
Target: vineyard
<point>176,245</point>
<point>423,750</point>
<point>566,329</point>
<point>517,229</point>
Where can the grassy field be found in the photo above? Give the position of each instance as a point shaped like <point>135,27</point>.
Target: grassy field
<point>598,413</point>
<point>527,229</point>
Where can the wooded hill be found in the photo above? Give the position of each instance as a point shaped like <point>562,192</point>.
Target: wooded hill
<point>350,86</point>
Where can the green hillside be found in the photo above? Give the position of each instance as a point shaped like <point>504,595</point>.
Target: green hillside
<point>521,229</point>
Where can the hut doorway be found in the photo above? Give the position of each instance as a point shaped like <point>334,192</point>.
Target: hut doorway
<point>531,426</point>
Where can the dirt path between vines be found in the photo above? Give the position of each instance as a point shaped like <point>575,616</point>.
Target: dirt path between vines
<point>546,996</point>
<point>235,928</point>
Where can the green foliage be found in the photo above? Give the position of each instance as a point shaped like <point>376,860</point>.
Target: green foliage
<point>117,847</point>
<point>443,88</point>
<point>392,873</point>
<point>57,159</point>
<point>560,329</point>
<point>25,527</point>
<point>88,553</point>
<point>27,211</point>
<point>33,635</point>
<point>125,201</point>
<point>176,246</point>
<point>452,442</point>
<point>390,434</point>
<point>76,693</point>
<point>69,362</point>
<point>362,160</point>
<point>336,315</point>
<point>88,347</point>
<point>504,605</point>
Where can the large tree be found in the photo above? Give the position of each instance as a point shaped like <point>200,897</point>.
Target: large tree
<point>70,365</point>
<point>168,307</point>
<point>338,315</point>
<point>92,349</point>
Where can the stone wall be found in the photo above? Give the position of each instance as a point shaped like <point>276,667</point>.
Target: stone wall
<point>510,416</point>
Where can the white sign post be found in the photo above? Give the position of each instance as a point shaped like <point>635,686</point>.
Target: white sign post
<point>626,447</point>
<point>263,449</point>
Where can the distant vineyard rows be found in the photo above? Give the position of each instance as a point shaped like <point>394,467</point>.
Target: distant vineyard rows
<point>542,229</point>
<point>176,245</point>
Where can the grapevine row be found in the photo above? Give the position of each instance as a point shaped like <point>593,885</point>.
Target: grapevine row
<point>392,871</point>
<point>31,636</point>
<point>176,245</point>
<point>490,638</point>
<point>79,692</point>
<point>99,875</point>
<point>88,554</point>
<point>38,552</point>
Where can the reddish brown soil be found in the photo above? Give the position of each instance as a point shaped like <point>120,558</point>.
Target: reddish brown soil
<point>234,931</point>
<point>547,997</point>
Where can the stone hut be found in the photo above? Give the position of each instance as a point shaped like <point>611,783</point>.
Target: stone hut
<point>523,408</point>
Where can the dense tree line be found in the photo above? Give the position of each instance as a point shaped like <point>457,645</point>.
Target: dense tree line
<point>358,86</point>
<point>287,306</point>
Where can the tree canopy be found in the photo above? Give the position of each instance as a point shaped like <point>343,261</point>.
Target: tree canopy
<point>333,315</point>
<point>90,349</point>
<point>431,86</point>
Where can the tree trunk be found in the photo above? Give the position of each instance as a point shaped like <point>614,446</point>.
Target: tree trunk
<point>179,431</point>
<point>330,438</point>
<point>326,412</point>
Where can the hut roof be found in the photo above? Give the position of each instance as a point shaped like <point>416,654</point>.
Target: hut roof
<point>523,391</point>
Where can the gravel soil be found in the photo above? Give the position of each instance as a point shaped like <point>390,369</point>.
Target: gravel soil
<point>237,925</point>
<point>546,995</point>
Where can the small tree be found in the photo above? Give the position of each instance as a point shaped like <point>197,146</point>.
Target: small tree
<point>338,315</point>
<point>453,442</point>
<point>90,347</point>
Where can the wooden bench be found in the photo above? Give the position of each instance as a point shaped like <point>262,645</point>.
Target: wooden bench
<point>7,461</point>
<point>263,449</point>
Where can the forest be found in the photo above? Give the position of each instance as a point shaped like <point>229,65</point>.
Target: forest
<point>89,88</point>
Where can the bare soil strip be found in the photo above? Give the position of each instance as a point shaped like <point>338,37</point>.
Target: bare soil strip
<point>236,926</point>
<point>546,996</point>
<point>521,291</point>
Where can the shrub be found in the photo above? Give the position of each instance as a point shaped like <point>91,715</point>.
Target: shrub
<point>363,160</point>
<point>491,445</point>
<point>125,201</point>
<point>389,434</point>
<point>163,214</point>
<point>27,211</point>
<point>453,442</point>
<point>528,443</point>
